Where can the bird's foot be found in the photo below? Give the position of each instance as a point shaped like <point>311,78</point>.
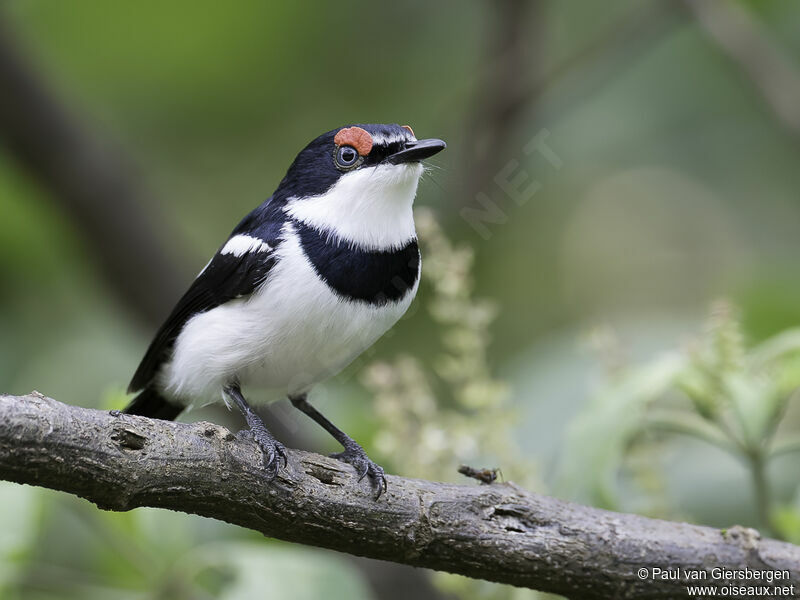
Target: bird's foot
<point>354,455</point>
<point>272,450</point>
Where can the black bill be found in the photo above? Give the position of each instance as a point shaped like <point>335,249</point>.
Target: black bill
<point>418,150</point>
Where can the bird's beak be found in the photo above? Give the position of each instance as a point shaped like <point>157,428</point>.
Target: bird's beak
<point>416,151</point>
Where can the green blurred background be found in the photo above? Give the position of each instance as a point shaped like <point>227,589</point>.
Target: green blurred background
<point>669,180</point>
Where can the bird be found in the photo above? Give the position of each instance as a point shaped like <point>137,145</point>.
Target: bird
<point>306,282</point>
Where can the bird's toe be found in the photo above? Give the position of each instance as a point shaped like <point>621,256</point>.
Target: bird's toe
<point>364,467</point>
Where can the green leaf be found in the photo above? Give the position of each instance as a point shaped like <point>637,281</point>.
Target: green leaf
<point>754,403</point>
<point>686,423</point>
<point>786,445</point>
<point>774,348</point>
<point>596,439</point>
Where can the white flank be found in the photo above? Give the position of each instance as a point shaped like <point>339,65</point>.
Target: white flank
<point>289,334</point>
<point>371,207</point>
<point>239,245</point>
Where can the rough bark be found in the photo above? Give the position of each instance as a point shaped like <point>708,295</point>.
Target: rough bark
<point>495,532</point>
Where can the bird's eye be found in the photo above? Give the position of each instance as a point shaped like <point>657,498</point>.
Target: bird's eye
<point>346,157</point>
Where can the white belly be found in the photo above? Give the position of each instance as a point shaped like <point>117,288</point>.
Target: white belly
<point>291,333</point>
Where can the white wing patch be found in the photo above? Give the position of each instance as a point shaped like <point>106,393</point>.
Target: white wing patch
<point>239,245</point>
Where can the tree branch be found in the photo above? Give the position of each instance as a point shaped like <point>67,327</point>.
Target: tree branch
<point>498,532</point>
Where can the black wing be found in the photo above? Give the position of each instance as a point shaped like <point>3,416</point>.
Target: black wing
<point>226,277</point>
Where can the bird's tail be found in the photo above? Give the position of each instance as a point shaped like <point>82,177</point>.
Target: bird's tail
<point>149,403</point>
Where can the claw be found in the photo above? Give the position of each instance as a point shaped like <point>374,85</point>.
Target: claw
<point>356,457</point>
<point>272,452</point>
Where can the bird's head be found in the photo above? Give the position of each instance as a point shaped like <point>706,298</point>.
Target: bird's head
<point>359,182</point>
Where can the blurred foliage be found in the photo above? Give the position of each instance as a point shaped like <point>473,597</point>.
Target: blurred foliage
<point>152,554</point>
<point>678,185</point>
<point>716,390</point>
<point>437,413</point>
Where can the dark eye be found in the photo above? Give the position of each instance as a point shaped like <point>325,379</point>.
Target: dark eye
<point>346,157</point>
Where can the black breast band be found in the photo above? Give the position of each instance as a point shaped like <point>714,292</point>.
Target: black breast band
<point>372,276</point>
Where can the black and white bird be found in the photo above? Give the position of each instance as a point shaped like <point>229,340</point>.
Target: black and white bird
<point>304,284</point>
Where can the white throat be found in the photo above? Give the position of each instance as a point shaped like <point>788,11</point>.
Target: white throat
<point>370,207</point>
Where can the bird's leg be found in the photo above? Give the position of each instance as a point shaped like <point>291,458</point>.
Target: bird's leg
<point>271,448</point>
<point>353,453</point>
